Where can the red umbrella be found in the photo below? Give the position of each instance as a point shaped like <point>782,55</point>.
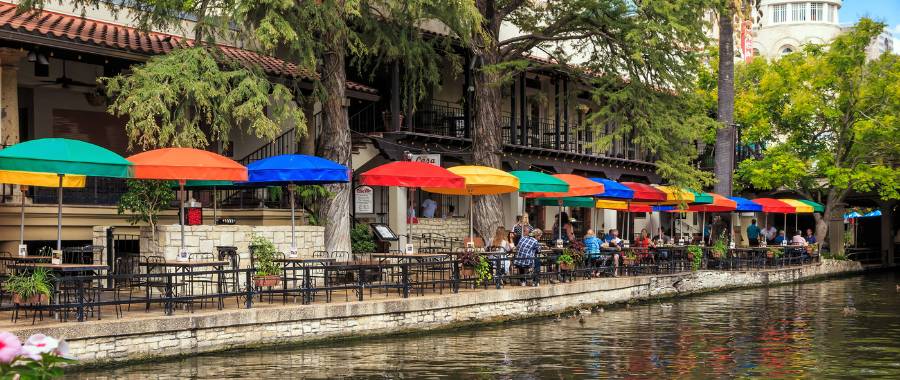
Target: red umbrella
<point>412,174</point>
<point>643,192</point>
<point>774,205</point>
<point>719,204</point>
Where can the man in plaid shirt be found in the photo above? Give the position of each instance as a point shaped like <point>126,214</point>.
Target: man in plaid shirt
<point>527,249</point>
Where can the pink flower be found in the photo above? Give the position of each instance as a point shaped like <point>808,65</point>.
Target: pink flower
<point>10,347</point>
<point>39,344</point>
<point>63,350</point>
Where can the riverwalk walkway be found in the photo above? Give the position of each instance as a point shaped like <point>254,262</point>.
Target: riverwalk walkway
<point>137,336</point>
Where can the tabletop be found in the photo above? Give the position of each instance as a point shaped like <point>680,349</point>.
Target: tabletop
<point>404,256</point>
<point>186,264</point>
<point>62,267</point>
<point>24,258</point>
<point>306,260</point>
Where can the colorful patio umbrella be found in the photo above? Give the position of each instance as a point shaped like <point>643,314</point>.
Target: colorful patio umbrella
<point>537,182</point>
<point>37,179</point>
<point>581,202</point>
<point>412,174</point>
<point>480,180</point>
<point>182,165</point>
<point>817,207</point>
<point>645,193</point>
<point>292,170</point>
<point>613,189</point>
<point>745,205</point>
<point>578,186</point>
<point>799,207</point>
<point>776,206</point>
<point>622,206</point>
<point>718,204</point>
<point>675,195</point>
<point>872,214</point>
<point>702,198</point>
<point>63,157</point>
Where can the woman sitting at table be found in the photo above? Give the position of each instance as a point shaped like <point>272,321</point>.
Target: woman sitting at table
<point>568,232</point>
<point>643,245</point>
<point>503,243</point>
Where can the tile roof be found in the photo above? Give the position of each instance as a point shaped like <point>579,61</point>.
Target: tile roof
<point>86,31</point>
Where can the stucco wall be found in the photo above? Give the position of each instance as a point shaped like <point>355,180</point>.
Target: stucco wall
<point>186,334</point>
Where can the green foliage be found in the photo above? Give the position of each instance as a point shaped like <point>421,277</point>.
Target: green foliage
<point>264,253</point>
<point>27,285</point>
<point>829,117</point>
<point>719,248</point>
<point>167,99</point>
<point>310,198</point>
<point>776,252</point>
<point>565,258</point>
<point>482,271</point>
<point>49,366</point>
<point>274,193</point>
<point>361,240</point>
<point>696,256</point>
<point>144,200</point>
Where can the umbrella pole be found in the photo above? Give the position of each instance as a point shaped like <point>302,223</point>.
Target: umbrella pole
<point>559,220</point>
<point>59,214</point>
<point>215,206</point>
<point>181,206</point>
<point>471,216</point>
<point>22,220</point>
<point>293,244</point>
<point>785,226</point>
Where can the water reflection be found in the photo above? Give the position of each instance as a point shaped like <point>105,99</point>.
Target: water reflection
<point>784,332</point>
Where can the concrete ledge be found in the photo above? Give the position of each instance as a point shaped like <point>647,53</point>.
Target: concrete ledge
<point>96,342</point>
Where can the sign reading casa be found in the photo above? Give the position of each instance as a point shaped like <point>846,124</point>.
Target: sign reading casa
<point>434,159</point>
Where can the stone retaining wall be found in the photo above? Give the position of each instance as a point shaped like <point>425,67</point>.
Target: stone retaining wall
<point>95,342</point>
<point>204,238</point>
<point>457,228</point>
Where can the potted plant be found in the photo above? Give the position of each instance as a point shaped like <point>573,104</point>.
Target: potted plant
<point>468,260</point>
<point>268,273</point>
<point>774,252</point>
<point>566,261</point>
<point>630,258</point>
<point>695,254</point>
<point>482,271</point>
<point>719,249</point>
<point>30,288</point>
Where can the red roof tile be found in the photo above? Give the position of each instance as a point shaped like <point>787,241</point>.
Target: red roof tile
<point>108,35</point>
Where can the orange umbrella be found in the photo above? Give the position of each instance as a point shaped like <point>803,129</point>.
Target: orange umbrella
<point>578,187</point>
<point>183,164</point>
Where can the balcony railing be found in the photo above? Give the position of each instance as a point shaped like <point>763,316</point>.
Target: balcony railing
<point>97,191</point>
<point>448,119</point>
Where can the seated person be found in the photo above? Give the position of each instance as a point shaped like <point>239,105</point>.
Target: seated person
<point>798,239</point>
<point>528,248</point>
<point>592,251</point>
<point>612,239</point>
<point>810,237</point>
<point>780,238</point>
<point>661,236</point>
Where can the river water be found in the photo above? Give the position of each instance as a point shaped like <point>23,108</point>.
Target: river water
<point>841,328</point>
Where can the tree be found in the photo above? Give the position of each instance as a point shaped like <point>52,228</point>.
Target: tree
<point>725,135</point>
<point>306,32</point>
<point>631,54</point>
<point>145,199</point>
<point>830,119</point>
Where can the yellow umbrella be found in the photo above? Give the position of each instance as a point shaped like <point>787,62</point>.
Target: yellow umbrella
<point>802,208</point>
<point>37,179</point>
<point>480,180</point>
<point>675,195</point>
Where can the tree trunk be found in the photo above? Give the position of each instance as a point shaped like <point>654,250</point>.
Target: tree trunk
<point>487,143</point>
<point>724,164</point>
<point>336,145</point>
<point>832,200</point>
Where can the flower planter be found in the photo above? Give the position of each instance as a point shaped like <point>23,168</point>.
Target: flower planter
<point>36,299</point>
<point>715,254</point>
<point>266,281</point>
<point>629,261</point>
<point>566,267</point>
<point>466,272</point>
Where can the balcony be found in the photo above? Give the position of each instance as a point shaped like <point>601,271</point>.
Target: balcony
<point>448,120</point>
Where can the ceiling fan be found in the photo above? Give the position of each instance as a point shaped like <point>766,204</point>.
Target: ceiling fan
<point>65,82</point>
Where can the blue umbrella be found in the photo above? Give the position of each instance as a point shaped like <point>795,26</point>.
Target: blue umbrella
<point>295,169</point>
<point>871,214</point>
<point>746,205</point>
<point>613,189</point>
<point>852,215</point>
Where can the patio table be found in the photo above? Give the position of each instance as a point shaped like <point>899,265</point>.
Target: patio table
<point>186,268</point>
<point>65,270</point>
<point>304,263</point>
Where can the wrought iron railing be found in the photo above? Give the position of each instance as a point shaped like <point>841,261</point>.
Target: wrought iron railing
<point>97,191</point>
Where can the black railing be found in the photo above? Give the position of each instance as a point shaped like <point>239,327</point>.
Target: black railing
<point>285,143</point>
<point>97,191</point>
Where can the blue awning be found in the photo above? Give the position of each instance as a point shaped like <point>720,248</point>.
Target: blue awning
<point>613,189</point>
<point>746,205</point>
<point>296,169</point>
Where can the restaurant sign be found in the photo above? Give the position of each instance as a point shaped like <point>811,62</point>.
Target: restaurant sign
<point>364,202</point>
<point>434,159</point>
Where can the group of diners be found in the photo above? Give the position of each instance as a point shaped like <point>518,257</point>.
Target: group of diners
<point>772,236</point>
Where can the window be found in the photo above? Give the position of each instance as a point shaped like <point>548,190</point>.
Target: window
<point>816,12</point>
<point>779,13</point>
<point>787,50</point>
<point>798,12</point>
<point>831,12</point>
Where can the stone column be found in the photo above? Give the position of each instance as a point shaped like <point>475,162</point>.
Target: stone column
<point>9,94</point>
<point>397,213</point>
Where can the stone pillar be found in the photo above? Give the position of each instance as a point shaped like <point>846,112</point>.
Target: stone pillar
<point>9,94</point>
<point>512,207</point>
<point>397,213</point>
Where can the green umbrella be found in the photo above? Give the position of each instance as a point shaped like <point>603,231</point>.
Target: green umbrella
<point>584,202</point>
<point>63,157</point>
<point>817,207</point>
<point>701,198</point>
<point>537,182</point>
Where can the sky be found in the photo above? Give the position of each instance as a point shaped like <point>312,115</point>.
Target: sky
<point>887,11</point>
